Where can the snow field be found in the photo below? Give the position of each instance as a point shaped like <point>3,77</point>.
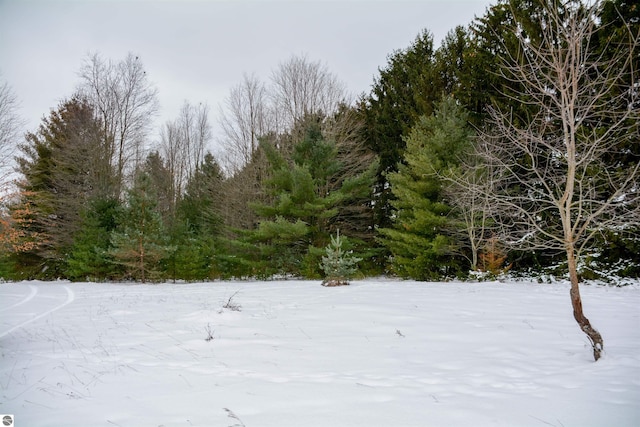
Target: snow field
<point>376,353</point>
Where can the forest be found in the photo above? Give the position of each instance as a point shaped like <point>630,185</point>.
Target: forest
<point>513,146</point>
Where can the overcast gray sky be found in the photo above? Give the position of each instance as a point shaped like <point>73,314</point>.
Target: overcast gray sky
<point>198,50</point>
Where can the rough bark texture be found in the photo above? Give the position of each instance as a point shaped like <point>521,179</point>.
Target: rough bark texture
<point>576,302</point>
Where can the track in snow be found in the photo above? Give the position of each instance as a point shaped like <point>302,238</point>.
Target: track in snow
<point>28,298</point>
<point>33,296</point>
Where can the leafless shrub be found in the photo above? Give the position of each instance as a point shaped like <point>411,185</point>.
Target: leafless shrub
<point>231,304</point>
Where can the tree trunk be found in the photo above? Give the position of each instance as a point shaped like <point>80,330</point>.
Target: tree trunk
<point>576,301</point>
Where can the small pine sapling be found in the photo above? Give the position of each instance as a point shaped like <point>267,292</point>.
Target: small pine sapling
<point>338,265</point>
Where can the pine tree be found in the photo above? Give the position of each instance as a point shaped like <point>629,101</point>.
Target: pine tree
<point>420,243</point>
<point>200,205</point>
<point>140,243</point>
<point>312,190</point>
<point>197,231</point>
<point>338,265</point>
<point>90,257</point>
<point>302,204</point>
<point>403,92</point>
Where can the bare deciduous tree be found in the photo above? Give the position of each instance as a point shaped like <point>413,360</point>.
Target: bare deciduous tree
<point>473,206</point>
<point>183,144</point>
<point>10,125</point>
<point>554,181</point>
<point>302,88</point>
<point>246,118</point>
<point>125,101</point>
<point>254,110</point>
<point>241,190</point>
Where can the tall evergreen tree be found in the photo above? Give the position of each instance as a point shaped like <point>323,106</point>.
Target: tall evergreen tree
<point>402,93</point>
<point>161,181</point>
<point>200,205</point>
<point>63,169</point>
<point>462,74</point>
<point>359,164</point>
<point>421,241</point>
<point>306,193</point>
<point>199,224</point>
<point>493,40</point>
<point>90,257</point>
<point>140,243</point>
<point>297,218</point>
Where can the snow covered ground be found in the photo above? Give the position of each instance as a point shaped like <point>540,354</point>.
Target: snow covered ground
<point>292,353</point>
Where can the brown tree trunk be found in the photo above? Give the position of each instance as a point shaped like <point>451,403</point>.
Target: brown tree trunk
<point>576,301</point>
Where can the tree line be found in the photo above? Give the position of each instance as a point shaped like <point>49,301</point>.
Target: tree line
<point>512,145</point>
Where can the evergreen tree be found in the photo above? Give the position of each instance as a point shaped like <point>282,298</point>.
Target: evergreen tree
<point>421,241</point>
<point>402,93</point>
<point>297,218</point>
<point>199,224</point>
<point>358,165</point>
<point>161,182</point>
<point>90,257</point>
<point>462,74</point>
<point>201,204</point>
<point>617,250</point>
<point>338,265</point>
<point>306,193</point>
<point>492,41</point>
<point>140,243</point>
<point>62,168</point>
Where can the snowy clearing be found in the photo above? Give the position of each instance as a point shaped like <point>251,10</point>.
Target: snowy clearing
<point>292,353</point>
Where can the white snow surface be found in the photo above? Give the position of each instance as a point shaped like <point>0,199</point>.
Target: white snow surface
<point>380,352</point>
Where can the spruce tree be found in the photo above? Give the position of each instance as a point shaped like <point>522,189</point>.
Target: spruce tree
<point>63,167</point>
<point>338,265</point>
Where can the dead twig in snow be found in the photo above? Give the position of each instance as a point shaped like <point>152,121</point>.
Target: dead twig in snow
<point>210,333</point>
<point>231,305</point>
<point>231,414</point>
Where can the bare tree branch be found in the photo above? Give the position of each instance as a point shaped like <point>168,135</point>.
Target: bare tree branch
<point>246,118</point>
<point>183,144</point>
<point>10,126</point>
<point>125,101</point>
<point>302,88</point>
